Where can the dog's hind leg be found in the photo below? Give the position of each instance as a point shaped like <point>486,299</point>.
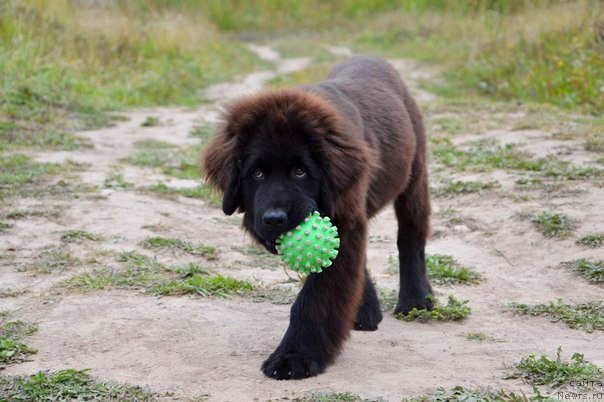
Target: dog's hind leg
<point>369,314</point>
<point>412,209</point>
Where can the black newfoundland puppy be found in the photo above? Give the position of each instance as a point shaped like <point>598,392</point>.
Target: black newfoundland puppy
<point>346,147</point>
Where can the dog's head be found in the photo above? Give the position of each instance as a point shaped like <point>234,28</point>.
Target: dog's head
<point>278,156</point>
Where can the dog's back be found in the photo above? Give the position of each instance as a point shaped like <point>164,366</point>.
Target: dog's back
<point>369,93</point>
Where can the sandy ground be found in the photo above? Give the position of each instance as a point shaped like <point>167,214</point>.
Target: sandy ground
<point>193,346</point>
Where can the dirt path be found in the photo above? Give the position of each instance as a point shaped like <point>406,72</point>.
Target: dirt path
<point>193,346</point>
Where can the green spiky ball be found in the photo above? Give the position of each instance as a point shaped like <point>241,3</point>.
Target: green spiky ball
<point>311,246</point>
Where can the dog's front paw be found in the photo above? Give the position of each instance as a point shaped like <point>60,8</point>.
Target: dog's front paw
<point>406,304</point>
<point>368,318</point>
<point>291,366</point>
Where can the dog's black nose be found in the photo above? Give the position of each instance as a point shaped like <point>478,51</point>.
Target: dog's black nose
<point>274,217</point>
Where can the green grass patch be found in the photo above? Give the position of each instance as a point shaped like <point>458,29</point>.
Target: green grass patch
<point>12,349</point>
<point>77,236</point>
<point>464,187</point>
<point>308,75</point>
<point>443,269</point>
<point>592,270</point>
<point>8,292</point>
<point>593,240</point>
<point>454,310</point>
<point>117,181</point>
<point>479,337</point>
<point>207,286</point>
<point>388,298</point>
<point>150,121</point>
<point>556,373</point>
<point>487,156</point>
<point>553,224</point>
<point>4,227</point>
<point>171,160</point>
<point>205,251</point>
<point>588,317</point>
<point>461,394</point>
<point>54,259</point>
<point>20,176</point>
<point>67,385</point>
<point>201,192</point>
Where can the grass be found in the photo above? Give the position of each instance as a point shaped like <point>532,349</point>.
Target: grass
<point>150,121</point>
<point>69,384</point>
<point>117,181</point>
<point>461,394</point>
<point>332,397</point>
<point>20,176</point>
<point>54,259</point>
<point>171,160</point>
<point>588,317</point>
<point>388,298</point>
<point>488,156</point>
<point>454,310</point>
<point>205,251</point>
<point>207,286</point>
<point>478,337</point>
<point>556,373</point>
<point>592,270</point>
<point>443,269</point>
<point>593,240</point>
<point>77,236</point>
<point>553,224</point>
<point>4,227</point>
<point>12,349</point>
<point>62,60</point>
<point>201,192</point>
<point>8,292</point>
<point>464,187</point>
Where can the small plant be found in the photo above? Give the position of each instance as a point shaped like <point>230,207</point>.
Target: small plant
<point>77,236</point>
<point>388,298</point>
<point>12,349</point>
<point>461,394</point>
<point>150,121</point>
<point>443,269</point>
<point>67,385</point>
<point>464,187</point>
<point>5,226</point>
<point>207,252</point>
<point>207,286</point>
<point>12,292</point>
<point>591,270</point>
<point>478,337</point>
<point>592,240</point>
<point>116,181</point>
<point>454,310</point>
<point>588,316</point>
<point>556,373</point>
<point>54,259</point>
<point>553,224</point>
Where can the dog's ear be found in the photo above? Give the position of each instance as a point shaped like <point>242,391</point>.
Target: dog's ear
<point>231,199</point>
<point>221,168</point>
<point>325,204</point>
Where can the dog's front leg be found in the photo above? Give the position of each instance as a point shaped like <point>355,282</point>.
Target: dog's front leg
<point>324,312</point>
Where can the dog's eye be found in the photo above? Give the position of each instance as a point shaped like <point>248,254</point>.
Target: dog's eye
<point>299,172</point>
<point>258,174</point>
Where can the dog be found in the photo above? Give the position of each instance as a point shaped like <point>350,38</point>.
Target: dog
<point>346,147</point>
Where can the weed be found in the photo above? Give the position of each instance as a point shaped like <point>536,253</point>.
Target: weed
<point>388,298</point>
<point>592,240</point>
<point>171,160</point>
<point>69,384</point>
<point>464,187</point>
<point>479,337</point>
<point>592,270</point>
<point>150,121</point>
<point>443,269</point>
<point>454,310</point>
<point>12,292</point>
<point>116,181</point>
<point>5,226</point>
<point>461,394</point>
<point>54,259</point>
<point>77,236</point>
<point>218,286</point>
<point>588,316</point>
<point>12,350</point>
<point>553,224</point>
<point>19,176</point>
<point>201,192</point>
<point>556,373</point>
<point>207,252</point>
<point>202,132</point>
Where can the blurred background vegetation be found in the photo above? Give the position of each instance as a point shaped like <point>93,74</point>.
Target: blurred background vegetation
<point>82,58</point>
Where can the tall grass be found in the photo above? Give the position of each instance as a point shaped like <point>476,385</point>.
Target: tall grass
<point>60,57</point>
